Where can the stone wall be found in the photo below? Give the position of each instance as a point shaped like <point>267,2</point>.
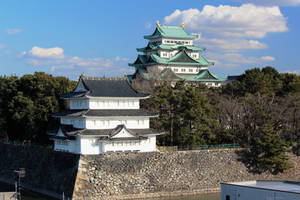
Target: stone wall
<point>128,176</point>
<point>47,172</point>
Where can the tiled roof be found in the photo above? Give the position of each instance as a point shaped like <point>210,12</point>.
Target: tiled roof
<point>151,47</point>
<point>105,113</point>
<point>70,132</point>
<point>100,87</point>
<point>181,58</point>
<point>170,32</point>
<point>203,76</point>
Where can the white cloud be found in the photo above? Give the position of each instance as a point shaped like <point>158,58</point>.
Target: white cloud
<point>232,44</point>
<point>267,58</point>
<point>231,59</point>
<point>297,71</point>
<point>47,53</point>
<point>229,21</point>
<point>229,32</point>
<point>13,31</point>
<point>273,2</point>
<point>235,60</point>
<point>61,64</point>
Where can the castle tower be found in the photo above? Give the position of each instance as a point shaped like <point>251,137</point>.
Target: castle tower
<point>171,49</point>
<point>104,116</point>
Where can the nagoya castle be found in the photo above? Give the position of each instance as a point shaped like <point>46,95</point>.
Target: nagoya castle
<point>171,55</point>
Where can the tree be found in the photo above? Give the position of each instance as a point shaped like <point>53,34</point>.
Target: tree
<point>163,102</point>
<point>27,103</point>
<point>267,151</point>
<point>198,123</point>
<point>253,81</point>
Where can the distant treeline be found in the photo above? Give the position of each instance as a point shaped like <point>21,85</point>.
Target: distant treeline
<point>259,111</point>
<point>26,104</point>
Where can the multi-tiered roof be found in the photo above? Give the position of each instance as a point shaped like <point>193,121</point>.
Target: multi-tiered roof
<point>107,111</point>
<point>171,49</point>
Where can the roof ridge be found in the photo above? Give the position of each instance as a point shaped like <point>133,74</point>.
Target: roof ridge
<point>103,78</point>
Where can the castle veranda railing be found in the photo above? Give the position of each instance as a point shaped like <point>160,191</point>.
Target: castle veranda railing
<point>205,147</point>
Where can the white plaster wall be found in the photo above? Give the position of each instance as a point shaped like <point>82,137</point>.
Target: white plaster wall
<point>90,146</point>
<point>213,84</point>
<point>171,41</point>
<point>79,104</point>
<point>114,103</point>
<point>94,123</point>
<point>164,54</point>
<point>194,55</point>
<point>142,145</point>
<point>195,70</point>
<point>68,145</point>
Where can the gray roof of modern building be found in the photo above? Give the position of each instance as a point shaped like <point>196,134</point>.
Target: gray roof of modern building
<point>105,113</point>
<point>105,87</point>
<point>283,186</point>
<point>232,78</point>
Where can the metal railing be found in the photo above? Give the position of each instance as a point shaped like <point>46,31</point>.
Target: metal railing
<point>203,147</point>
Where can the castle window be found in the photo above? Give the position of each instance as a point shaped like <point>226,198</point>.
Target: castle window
<point>182,70</point>
<point>190,70</point>
<point>175,70</point>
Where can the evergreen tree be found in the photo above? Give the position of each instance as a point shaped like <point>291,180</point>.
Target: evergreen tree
<point>267,152</point>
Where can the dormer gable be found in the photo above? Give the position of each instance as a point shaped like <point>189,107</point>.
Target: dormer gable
<point>122,132</point>
<point>80,86</point>
<point>60,133</point>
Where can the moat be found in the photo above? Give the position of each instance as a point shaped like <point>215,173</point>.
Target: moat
<point>27,195</point>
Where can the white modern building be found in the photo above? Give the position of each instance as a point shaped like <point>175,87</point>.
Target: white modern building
<point>261,190</point>
<point>104,116</point>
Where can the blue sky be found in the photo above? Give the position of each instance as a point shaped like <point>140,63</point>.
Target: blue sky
<point>74,36</point>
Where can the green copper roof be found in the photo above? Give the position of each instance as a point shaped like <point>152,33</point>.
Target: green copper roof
<point>203,76</point>
<point>170,47</point>
<point>170,32</point>
<point>181,58</point>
